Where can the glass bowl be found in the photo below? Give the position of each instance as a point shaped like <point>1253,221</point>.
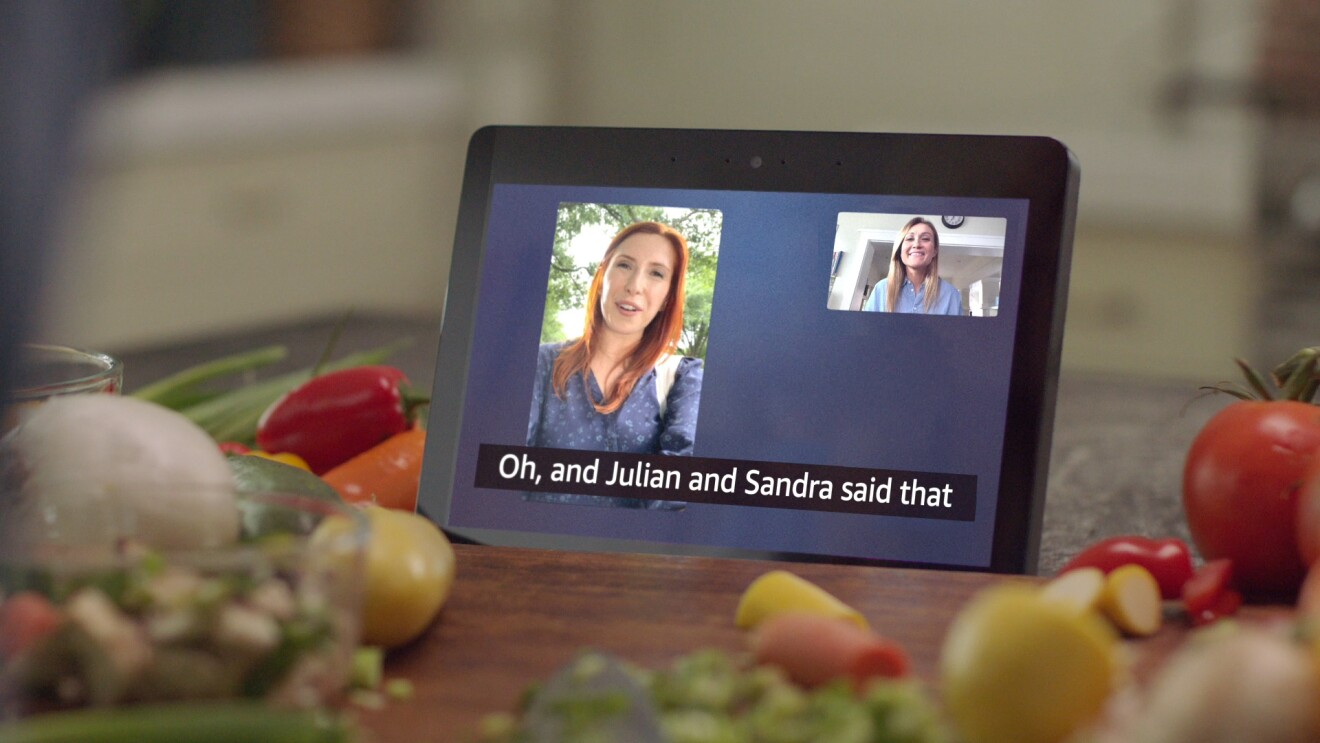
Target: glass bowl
<point>46,370</point>
<point>109,621</point>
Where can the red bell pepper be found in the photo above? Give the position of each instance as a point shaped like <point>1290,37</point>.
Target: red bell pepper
<point>1169,560</point>
<point>333,417</point>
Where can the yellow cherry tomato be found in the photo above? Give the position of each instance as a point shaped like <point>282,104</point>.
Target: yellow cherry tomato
<point>1020,667</point>
<point>1132,600</point>
<point>1080,589</point>
<point>780,591</point>
<point>409,574</point>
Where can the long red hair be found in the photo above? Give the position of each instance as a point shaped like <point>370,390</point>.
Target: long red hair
<point>659,338</point>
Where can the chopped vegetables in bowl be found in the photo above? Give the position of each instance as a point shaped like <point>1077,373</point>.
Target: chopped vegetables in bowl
<point>273,615</point>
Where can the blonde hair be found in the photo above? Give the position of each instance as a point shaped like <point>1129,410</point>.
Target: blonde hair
<point>897,271</point>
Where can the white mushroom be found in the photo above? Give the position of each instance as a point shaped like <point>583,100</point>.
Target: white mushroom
<point>93,469</point>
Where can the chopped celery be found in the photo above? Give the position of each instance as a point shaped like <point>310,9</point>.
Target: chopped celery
<point>399,690</point>
<point>711,696</point>
<point>368,667</point>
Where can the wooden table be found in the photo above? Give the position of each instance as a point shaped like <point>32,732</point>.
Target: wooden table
<point>517,615</point>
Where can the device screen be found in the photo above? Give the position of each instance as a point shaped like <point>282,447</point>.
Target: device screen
<point>806,408</point>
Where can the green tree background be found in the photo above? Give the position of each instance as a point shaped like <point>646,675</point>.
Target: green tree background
<point>570,279</point>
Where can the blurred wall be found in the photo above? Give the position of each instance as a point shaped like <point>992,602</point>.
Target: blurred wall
<point>218,221</point>
<point>1161,283</point>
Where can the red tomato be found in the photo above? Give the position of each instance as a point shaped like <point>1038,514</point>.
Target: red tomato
<point>1308,514</point>
<point>1308,599</point>
<point>1241,485</point>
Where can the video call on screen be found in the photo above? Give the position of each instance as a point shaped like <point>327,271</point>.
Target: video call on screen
<point>812,408</point>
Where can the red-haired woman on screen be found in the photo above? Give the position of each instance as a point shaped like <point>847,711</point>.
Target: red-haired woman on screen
<point>914,283</point>
<point>621,387</point>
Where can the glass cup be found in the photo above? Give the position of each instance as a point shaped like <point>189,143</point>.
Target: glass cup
<point>46,371</point>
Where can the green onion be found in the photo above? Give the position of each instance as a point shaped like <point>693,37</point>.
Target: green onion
<point>218,722</point>
<point>183,388</point>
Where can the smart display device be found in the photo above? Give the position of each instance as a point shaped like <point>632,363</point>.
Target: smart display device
<point>796,408</point>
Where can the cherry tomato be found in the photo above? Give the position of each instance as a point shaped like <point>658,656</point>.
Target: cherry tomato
<point>234,447</point>
<point>1209,594</point>
<point>1018,666</point>
<point>26,618</point>
<point>1169,560</point>
<point>1241,485</point>
<point>409,573</point>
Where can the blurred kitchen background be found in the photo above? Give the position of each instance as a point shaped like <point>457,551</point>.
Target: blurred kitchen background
<point>268,161</point>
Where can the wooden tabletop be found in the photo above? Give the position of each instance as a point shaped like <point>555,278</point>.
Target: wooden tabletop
<point>517,615</point>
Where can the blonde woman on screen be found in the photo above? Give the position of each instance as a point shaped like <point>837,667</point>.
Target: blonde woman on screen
<point>914,283</point>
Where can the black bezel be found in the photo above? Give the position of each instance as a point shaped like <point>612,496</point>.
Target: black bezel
<point>1037,169</point>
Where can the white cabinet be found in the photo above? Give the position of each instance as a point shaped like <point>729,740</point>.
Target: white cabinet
<point>222,200</point>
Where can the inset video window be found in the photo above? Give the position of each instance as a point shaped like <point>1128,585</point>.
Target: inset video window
<point>917,264</point>
<point>623,337</point>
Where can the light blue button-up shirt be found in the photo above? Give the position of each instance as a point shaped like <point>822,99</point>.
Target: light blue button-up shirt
<point>913,299</point>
